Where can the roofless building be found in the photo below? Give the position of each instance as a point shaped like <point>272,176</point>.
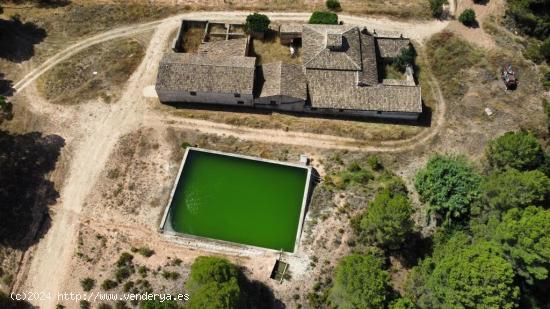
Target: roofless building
<point>338,75</point>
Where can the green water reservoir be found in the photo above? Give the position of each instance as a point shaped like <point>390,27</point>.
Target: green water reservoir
<point>238,199</point>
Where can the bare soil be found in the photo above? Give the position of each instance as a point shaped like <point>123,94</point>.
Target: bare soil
<point>122,158</point>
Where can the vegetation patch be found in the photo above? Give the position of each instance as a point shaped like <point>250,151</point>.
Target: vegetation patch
<point>327,18</point>
<point>450,59</point>
<point>269,49</point>
<point>97,72</point>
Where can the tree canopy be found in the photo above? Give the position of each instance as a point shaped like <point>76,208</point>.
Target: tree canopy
<point>449,184</point>
<point>360,282</point>
<point>531,16</point>
<point>257,22</point>
<point>319,17</point>
<point>214,283</point>
<point>512,188</point>
<point>387,221</point>
<point>525,238</point>
<point>475,276</point>
<point>157,304</point>
<point>519,150</point>
<point>468,18</point>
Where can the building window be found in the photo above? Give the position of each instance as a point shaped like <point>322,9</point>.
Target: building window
<point>314,108</point>
<point>240,102</point>
<point>273,102</point>
<point>378,113</point>
<point>193,93</point>
<point>341,110</point>
<point>237,95</point>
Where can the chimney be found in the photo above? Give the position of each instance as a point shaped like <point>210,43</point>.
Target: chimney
<point>334,40</point>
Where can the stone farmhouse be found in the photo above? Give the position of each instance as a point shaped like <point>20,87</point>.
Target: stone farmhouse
<point>338,75</point>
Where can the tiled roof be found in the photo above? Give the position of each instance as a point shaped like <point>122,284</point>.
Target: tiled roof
<point>338,90</point>
<point>316,40</point>
<point>283,79</point>
<point>391,47</point>
<point>233,47</point>
<point>369,74</point>
<point>205,73</point>
<point>291,28</point>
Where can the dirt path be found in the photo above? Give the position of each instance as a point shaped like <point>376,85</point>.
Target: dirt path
<point>48,268</point>
<point>477,35</point>
<point>97,128</point>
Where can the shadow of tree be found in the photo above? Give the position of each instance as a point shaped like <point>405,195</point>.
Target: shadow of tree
<point>25,191</point>
<point>6,86</point>
<point>17,39</point>
<point>260,296</point>
<point>417,248</point>
<point>7,303</point>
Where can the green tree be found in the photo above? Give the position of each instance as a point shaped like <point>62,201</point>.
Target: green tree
<point>436,6</point>
<point>519,150</point>
<point>157,304</point>
<point>525,238</point>
<point>387,221</point>
<point>257,22</point>
<point>475,276</point>
<point>402,303</point>
<point>545,49</point>
<point>468,18</point>
<point>449,185</point>
<point>214,295</point>
<point>214,283</point>
<point>512,188</point>
<point>360,282</point>
<point>319,17</point>
<point>406,57</point>
<point>333,5</point>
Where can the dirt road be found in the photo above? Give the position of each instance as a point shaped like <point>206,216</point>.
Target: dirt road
<point>98,127</point>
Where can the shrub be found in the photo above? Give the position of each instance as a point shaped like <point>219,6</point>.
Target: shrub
<point>532,52</point>
<point>104,306</point>
<point>333,5</point>
<point>122,273</point>
<point>84,304</point>
<point>146,252</point>
<point>545,50</point>
<point>109,284</point>
<point>87,284</point>
<point>125,259</point>
<point>406,57</point>
<point>518,150</point>
<point>436,6</point>
<point>449,185</point>
<point>468,18</point>
<point>257,22</point>
<point>353,174</point>
<point>327,18</point>
<point>546,79</point>
<point>171,275</point>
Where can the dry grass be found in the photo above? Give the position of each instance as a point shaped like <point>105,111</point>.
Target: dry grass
<point>99,71</point>
<point>192,39</point>
<point>369,132</point>
<point>391,72</point>
<point>404,9</point>
<point>270,49</point>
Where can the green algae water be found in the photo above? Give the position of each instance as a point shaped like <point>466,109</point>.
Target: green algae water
<point>239,200</point>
